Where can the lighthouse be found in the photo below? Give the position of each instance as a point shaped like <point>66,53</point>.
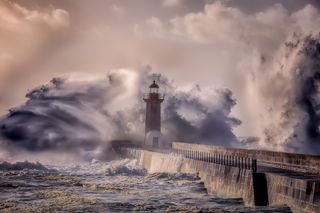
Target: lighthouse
<point>153,99</point>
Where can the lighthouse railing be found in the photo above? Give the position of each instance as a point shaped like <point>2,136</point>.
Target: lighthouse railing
<point>148,95</point>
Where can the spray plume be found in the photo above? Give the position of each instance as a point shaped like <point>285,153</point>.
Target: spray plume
<point>285,94</point>
<point>78,115</point>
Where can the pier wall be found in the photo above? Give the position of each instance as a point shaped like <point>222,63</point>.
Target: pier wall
<point>225,180</point>
<point>291,161</point>
<point>301,195</point>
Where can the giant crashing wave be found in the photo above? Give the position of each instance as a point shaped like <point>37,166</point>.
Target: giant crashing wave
<point>286,92</point>
<point>81,116</point>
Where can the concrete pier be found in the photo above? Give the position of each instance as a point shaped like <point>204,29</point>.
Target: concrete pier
<point>258,177</point>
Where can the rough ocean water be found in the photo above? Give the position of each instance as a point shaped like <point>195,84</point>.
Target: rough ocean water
<point>116,186</point>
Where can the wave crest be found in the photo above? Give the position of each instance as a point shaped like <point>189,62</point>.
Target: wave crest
<point>126,167</point>
<point>6,166</point>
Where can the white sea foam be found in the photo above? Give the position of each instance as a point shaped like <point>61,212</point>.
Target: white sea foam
<point>96,167</point>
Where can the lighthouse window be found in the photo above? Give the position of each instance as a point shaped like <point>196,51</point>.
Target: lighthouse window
<point>155,142</point>
<point>153,90</point>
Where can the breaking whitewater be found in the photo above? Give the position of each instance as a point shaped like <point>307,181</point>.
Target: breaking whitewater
<point>115,186</point>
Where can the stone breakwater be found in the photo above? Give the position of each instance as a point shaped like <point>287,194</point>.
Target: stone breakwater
<point>277,181</point>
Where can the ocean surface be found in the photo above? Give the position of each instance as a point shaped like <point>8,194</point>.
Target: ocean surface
<point>116,186</point>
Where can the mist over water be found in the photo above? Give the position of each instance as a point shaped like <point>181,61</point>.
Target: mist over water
<point>80,116</point>
<point>271,72</point>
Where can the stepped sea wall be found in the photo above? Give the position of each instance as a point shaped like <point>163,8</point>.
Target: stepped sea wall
<point>301,194</point>
<point>218,179</point>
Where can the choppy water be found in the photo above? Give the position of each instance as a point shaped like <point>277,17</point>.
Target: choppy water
<point>117,186</point>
